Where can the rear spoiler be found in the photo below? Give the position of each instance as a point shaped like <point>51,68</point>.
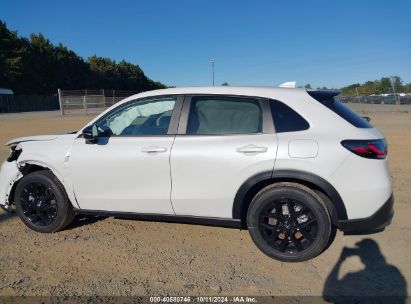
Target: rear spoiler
<point>322,96</point>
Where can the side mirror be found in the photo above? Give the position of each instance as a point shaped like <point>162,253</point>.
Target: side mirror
<point>90,134</point>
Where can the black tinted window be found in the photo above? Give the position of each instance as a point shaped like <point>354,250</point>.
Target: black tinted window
<point>224,115</point>
<point>345,112</point>
<point>286,119</point>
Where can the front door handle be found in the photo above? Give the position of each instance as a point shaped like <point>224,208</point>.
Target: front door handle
<point>154,149</point>
<point>252,149</point>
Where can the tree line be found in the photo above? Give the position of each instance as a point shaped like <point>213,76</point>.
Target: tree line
<point>385,85</point>
<point>35,66</point>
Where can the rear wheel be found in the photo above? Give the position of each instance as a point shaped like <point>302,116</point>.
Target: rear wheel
<point>289,222</point>
<point>42,203</point>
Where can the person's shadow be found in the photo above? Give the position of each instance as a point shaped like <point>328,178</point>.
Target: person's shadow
<point>379,282</point>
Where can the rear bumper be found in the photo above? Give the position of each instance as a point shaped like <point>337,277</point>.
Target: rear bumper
<point>376,222</point>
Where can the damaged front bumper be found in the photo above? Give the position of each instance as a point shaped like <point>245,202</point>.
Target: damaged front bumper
<point>9,174</point>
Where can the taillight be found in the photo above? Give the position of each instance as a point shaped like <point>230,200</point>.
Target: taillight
<point>375,148</point>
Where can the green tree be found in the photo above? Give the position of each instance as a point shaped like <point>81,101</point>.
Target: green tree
<point>103,72</point>
<point>383,85</point>
<point>379,86</point>
<point>11,56</point>
<point>36,66</point>
<point>225,84</point>
<point>307,86</point>
<point>397,83</point>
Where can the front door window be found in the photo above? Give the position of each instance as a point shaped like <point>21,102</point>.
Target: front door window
<point>146,117</point>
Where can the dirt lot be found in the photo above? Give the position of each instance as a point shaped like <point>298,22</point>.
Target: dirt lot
<point>108,256</point>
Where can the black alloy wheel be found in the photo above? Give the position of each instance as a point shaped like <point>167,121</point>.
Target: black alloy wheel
<point>288,225</point>
<point>39,204</point>
<point>42,203</point>
<point>289,222</point>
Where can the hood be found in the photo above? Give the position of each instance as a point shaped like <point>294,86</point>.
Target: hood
<point>16,141</point>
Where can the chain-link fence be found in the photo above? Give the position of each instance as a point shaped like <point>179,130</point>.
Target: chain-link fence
<point>378,99</point>
<point>27,103</point>
<point>83,102</point>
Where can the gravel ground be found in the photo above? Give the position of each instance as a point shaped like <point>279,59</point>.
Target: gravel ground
<point>110,256</point>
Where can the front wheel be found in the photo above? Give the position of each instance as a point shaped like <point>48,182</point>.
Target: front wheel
<point>289,222</point>
<point>42,203</point>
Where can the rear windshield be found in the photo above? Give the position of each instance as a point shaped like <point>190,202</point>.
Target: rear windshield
<point>335,105</point>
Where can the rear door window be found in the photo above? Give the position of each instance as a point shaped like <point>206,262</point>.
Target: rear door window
<point>224,115</point>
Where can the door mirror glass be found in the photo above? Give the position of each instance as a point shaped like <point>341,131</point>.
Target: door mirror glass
<point>94,131</point>
<point>90,134</point>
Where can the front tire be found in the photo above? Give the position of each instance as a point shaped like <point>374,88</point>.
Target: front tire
<point>289,222</point>
<point>42,203</point>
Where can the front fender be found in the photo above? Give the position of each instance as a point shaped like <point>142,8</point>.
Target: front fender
<point>60,171</point>
<point>11,172</point>
<point>9,175</point>
<point>45,163</point>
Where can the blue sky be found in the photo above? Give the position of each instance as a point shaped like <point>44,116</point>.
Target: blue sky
<point>324,43</point>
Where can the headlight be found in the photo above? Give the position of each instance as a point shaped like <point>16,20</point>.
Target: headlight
<point>14,154</point>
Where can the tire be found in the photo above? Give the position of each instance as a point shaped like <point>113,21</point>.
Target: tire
<point>42,203</point>
<point>289,222</point>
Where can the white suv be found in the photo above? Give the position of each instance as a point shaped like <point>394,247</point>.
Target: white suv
<point>290,165</point>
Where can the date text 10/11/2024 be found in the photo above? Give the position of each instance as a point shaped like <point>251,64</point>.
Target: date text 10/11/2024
<point>205,299</point>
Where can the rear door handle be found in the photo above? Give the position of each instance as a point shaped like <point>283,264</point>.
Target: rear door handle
<point>154,149</point>
<point>252,149</point>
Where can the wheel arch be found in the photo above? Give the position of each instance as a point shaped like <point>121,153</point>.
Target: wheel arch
<point>28,166</point>
<point>254,184</point>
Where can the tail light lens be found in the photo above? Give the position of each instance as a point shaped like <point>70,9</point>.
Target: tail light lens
<point>374,149</point>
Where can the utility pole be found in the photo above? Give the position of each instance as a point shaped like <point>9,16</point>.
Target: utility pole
<point>60,102</point>
<point>212,61</point>
<point>361,103</point>
<point>392,78</point>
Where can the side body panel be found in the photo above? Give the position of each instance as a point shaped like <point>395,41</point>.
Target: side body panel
<point>363,184</point>
<point>367,184</point>
<point>117,174</point>
<point>207,171</point>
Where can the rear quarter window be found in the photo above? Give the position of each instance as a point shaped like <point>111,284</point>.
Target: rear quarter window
<point>335,105</point>
<point>331,101</point>
<point>286,119</point>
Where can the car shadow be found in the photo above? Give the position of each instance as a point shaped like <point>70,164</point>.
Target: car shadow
<point>83,220</point>
<point>378,282</point>
<point>6,216</point>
